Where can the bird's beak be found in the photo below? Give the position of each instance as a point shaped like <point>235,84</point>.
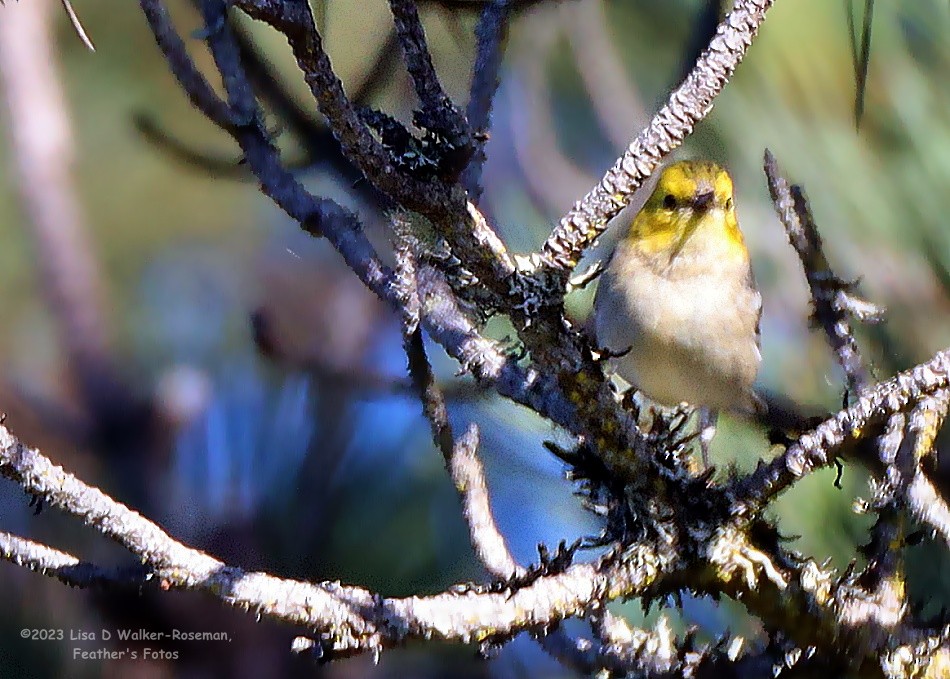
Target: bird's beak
<point>702,201</point>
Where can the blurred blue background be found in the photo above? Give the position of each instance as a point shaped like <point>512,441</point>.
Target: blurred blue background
<point>276,433</point>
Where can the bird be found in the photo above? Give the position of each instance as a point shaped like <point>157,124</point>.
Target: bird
<point>677,308</point>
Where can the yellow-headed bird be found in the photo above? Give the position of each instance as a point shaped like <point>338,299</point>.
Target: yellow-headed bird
<point>679,297</point>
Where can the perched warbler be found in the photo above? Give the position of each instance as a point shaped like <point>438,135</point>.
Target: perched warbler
<point>677,305</point>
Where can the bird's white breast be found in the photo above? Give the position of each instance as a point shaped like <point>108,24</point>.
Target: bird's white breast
<point>691,328</point>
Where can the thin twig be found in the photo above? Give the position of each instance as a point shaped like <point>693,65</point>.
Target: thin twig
<point>829,294</point>
<point>860,59</point>
<point>68,569</point>
<point>193,83</point>
<point>437,107</point>
<point>77,25</point>
<point>460,456</point>
<point>180,151</point>
<point>491,33</point>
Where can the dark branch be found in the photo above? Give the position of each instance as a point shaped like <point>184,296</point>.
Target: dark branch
<point>182,152</point>
<point>491,33</point>
<point>194,84</point>
<point>439,113</point>
<point>68,569</point>
<point>830,295</point>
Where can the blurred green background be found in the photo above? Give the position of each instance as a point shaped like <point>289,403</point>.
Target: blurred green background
<point>300,460</point>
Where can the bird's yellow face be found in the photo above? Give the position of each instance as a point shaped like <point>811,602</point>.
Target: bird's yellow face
<point>691,197</point>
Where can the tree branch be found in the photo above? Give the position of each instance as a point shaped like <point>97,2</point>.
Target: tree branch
<point>819,447</point>
<point>679,531</point>
<point>830,295</point>
<point>349,619</point>
<point>460,455</point>
<point>66,568</point>
<point>201,95</point>
<point>491,34</point>
<point>438,112</point>
<point>445,204</point>
<point>445,322</point>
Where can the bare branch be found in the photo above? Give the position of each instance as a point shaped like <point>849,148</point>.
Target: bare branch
<point>295,21</point>
<point>444,203</point>
<point>349,619</point>
<point>830,295</point>
<point>491,32</point>
<point>439,113</point>
<point>43,159</point>
<point>179,151</point>
<point>469,478</point>
<point>820,447</point>
<point>267,82</point>
<point>460,456</point>
<point>321,148</point>
<point>687,105</point>
<point>195,86</point>
<point>420,372</point>
<point>677,531</point>
<point>77,25</point>
<point>66,568</point>
<point>446,323</point>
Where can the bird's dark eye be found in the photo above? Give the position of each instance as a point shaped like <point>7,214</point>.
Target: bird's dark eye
<point>669,201</point>
<point>728,203</point>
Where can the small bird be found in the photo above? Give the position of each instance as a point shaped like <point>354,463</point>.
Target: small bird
<point>677,306</point>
